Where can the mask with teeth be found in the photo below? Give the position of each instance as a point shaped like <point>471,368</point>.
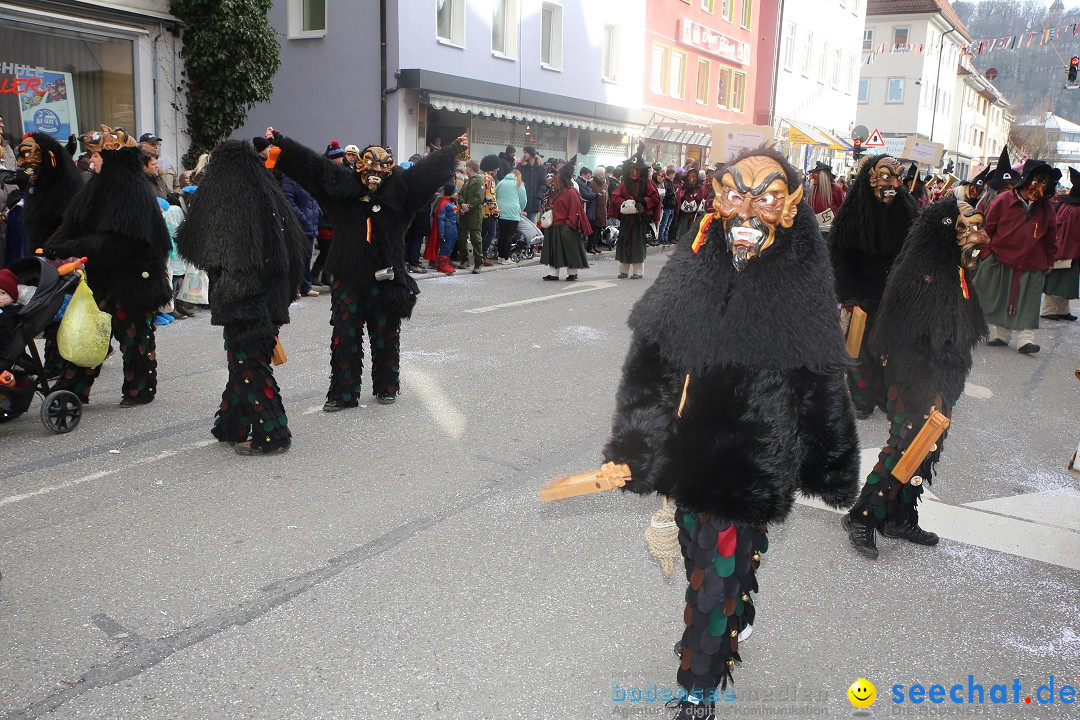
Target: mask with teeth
<point>970,236</point>
<point>753,199</point>
<point>375,165</point>
<point>885,179</point>
<point>29,156</point>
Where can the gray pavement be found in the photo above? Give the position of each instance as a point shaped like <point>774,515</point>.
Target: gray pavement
<point>397,562</point>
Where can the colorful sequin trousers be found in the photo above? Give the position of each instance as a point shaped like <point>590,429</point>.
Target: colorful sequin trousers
<point>135,334</point>
<point>883,497</point>
<point>866,379</point>
<point>721,563</point>
<point>350,312</point>
<point>251,405</point>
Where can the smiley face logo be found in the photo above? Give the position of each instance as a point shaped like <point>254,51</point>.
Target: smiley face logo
<point>862,693</point>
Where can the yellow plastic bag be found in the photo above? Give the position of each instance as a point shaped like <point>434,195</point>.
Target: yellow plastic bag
<point>83,337</point>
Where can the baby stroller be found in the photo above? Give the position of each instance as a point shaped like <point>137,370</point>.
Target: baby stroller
<point>21,370</point>
<point>525,244</point>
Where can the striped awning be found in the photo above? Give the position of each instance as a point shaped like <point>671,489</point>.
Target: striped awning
<point>523,114</point>
<point>799,133</point>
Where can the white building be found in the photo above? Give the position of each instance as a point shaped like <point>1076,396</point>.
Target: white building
<point>909,85</point>
<point>1058,141</point>
<point>817,79</point>
<point>119,63</point>
<point>982,122</point>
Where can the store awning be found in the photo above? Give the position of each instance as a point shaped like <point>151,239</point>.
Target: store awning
<point>667,126</point>
<point>799,133</point>
<point>522,114</point>
<point>835,141</point>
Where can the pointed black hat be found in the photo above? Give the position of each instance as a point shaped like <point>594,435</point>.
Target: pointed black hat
<point>1073,198</point>
<point>1003,174</point>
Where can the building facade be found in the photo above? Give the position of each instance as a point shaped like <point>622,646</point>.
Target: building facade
<point>907,86</point>
<point>562,75</point>
<point>821,51</point>
<point>982,122</point>
<point>701,67</point>
<point>67,66</point>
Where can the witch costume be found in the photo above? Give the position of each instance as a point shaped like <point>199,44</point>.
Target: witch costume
<point>1063,282</point>
<point>866,236</point>
<point>927,325</point>
<point>244,234</point>
<point>370,208</point>
<point>564,245</point>
<point>116,222</point>
<point>732,399</point>
<point>636,205</point>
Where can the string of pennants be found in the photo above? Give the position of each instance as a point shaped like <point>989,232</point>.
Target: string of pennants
<point>981,47</point>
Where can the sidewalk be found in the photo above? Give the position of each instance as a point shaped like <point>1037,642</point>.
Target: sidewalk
<point>430,274</point>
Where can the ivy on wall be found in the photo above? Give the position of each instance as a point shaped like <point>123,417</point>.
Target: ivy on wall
<point>231,54</point>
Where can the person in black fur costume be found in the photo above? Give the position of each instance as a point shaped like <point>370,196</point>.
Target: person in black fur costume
<point>733,398</point>
<point>246,237</point>
<point>116,223</point>
<point>927,325</point>
<point>866,236</point>
<point>52,182</point>
<point>370,208</point>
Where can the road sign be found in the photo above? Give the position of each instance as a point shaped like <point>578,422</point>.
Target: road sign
<point>859,132</point>
<point>875,139</point>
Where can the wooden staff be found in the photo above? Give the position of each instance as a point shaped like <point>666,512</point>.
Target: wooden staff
<point>856,330</point>
<point>924,443</point>
<point>608,477</point>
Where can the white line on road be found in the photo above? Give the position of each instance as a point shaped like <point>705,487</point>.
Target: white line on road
<point>588,287</point>
<point>438,402</point>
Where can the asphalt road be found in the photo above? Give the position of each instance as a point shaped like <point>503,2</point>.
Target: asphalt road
<point>397,562</point>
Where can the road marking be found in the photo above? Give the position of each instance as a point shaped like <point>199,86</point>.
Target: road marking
<point>1059,507</point>
<point>978,391</point>
<point>311,410</point>
<point>438,403</point>
<point>581,287</point>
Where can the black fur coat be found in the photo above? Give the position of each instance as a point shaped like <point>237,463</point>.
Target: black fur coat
<point>55,183</point>
<point>866,237</point>
<point>116,222</point>
<point>767,412</point>
<point>349,205</point>
<point>242,232</point>
<point>925,327</point>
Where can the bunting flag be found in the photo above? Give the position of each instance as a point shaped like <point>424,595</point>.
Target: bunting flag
<point>980,46</point>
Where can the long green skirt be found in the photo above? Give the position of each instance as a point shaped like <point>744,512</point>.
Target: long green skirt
<point>563,248</point>
<point>631,246</point>
<point>1064,283</point>
<point>993,284</point>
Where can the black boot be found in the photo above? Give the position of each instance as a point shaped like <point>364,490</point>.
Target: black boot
<point>911,533</point>
<point>861,536</point>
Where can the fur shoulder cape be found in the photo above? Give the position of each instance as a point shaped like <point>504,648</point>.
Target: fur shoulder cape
<point>864,224</point>
<point>925,325</point>
<point>779,313</point>
<point>56,183</point>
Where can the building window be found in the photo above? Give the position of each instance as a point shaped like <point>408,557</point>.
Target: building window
<point>723,88</point>
<point>551,36</point>
<point>868,39</point>
<point>895,93</point>
<point>708,5</point>
<point>677,75</point>
<point>728,10</point>
<point>307,18</point>
<point>789,45</point>
<point>738,91</point>
<point>850,79</point>
<point>659,69</point>
<point>702,95</point>
<point>808,48</point>
<point>838,60</point>
<point>864,90</point>
<point>747,12</point>
<point>504,23</point>
<point>899,36</point>
<point>610,53</point>
<point>450,21</point>
<point>823,63</point>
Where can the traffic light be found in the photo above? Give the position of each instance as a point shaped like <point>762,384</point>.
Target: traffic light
<point>857,149</point>
<point>1073,63</point>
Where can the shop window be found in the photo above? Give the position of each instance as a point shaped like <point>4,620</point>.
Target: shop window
<point>610,53</point>
<point>895,92</point>
<point>551,36</point>
<point>658,72</point>
<point>307,19</point>
<point>450,21</point>
<point>789,45</point>
<point>723,88</point>
<point>702,94</point>
<point>864,90</point>
<point>677,75</point>
<point>747,12</point>
<point>71,82</point>
<point>738,91</point>
<point>504,23</point>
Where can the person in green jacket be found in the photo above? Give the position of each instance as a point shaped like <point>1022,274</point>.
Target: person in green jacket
<point>511,197</point>
<point>471,222</point>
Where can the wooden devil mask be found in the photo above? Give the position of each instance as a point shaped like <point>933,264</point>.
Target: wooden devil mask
<point>29,156</point>
<point>970,235</point>
<point>753,199</point>
<point>107,139</point>
<point>375,165</point>
<point>885,179</point>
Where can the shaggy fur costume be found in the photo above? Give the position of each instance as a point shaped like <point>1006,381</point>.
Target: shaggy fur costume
<point>56,181</point>
<point>116,222</point>
<point>766,411</point>
<point>355,257</point>
<point>925,327</point>
<point>866,237</point>
<point>243,233</point>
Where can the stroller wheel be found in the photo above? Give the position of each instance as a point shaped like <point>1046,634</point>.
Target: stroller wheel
<point>61,411</point>
<point>515,256</point>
